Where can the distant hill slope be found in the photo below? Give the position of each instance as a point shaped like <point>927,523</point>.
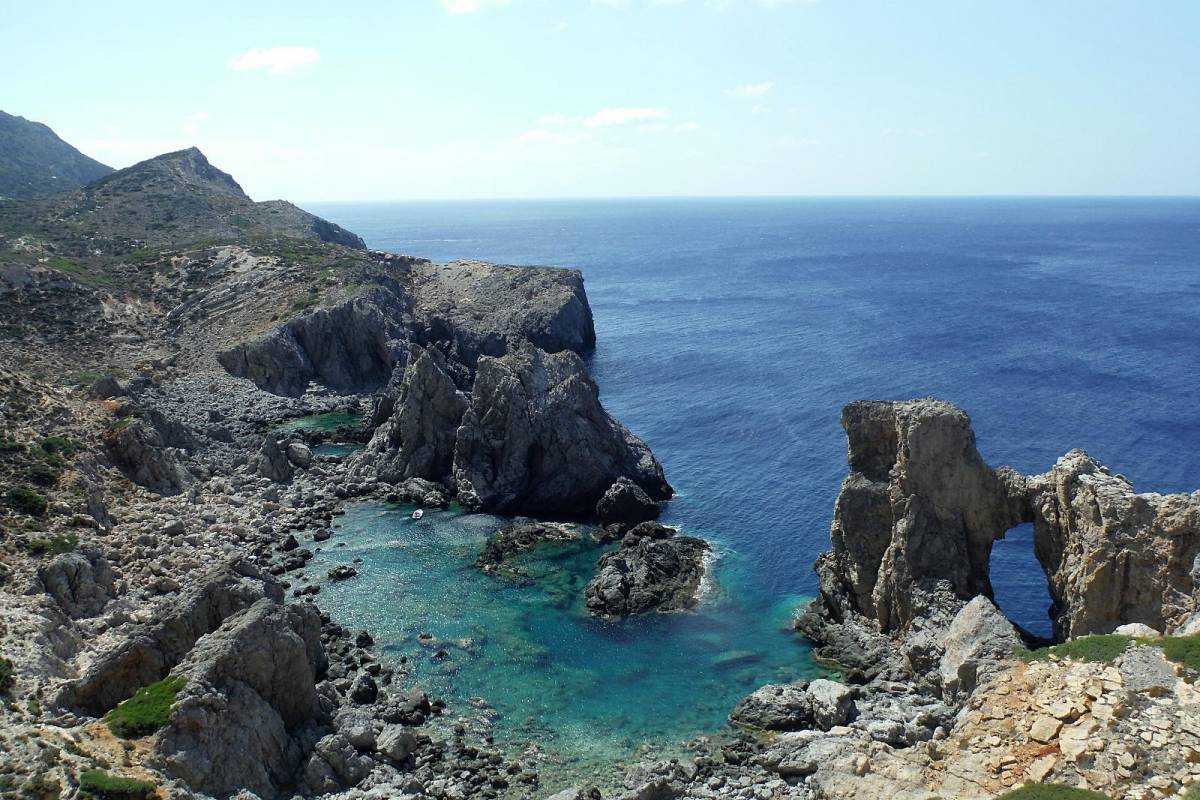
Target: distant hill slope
<point>34,161</point>
<point>173,199</point>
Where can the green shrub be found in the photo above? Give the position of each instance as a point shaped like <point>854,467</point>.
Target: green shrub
<point>59,445</point>
<point>7,675</point>
<point>97,783</point>
<point>1052,791</point>
<point>146,711</point>
<point>53,545</point>
<point>42,475</point>
<point>1105,647</point>
<point>1184,650</point>
<point>25,500</point>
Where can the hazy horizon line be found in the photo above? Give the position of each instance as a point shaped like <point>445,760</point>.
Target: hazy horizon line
<point>616,198</point>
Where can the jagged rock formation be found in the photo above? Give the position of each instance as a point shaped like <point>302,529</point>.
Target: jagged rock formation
<point>417,439</point>
<point>625,505</point>
<point>236,722</point>
<point>535,439</point>
<point>978,643</point>
<point>916,518</point>
<point>149,652</point>
<point>654,570</point>
<point>1112,555</point>
<point>34,161</point>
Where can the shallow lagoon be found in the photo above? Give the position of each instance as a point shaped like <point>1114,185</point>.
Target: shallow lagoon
<point>590,692</point>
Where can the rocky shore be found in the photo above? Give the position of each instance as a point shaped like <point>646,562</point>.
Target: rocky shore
<point>162,623</point>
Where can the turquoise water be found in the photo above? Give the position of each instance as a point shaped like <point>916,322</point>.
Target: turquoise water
<point>320,422</point>
<point>589,692</point>
<point>339,449</point>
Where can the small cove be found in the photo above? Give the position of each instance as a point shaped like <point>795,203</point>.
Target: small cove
<point>591,693</point>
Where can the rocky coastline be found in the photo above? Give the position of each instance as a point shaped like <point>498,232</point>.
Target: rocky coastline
<point>161,621</point>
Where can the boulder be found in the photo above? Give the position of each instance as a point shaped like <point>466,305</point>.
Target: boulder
<point>648,574</point>
<point>299,454</point>
<point>624,505</point>
<point>978,643</point>
<point>535,440</point>
<point>821,704</point>
<point>82,582</point>
<point>141,452</point>
<point>397,743</point>
<point>272,462</point>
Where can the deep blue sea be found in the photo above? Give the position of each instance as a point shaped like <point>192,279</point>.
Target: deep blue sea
<point>730,334</point>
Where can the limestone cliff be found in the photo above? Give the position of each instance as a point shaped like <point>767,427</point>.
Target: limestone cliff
<point>917,516</point>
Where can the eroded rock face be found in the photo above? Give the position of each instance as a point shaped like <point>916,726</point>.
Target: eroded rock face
<point>417,439</point>
<point>654,570</point>
<point>350,347</point>
<point>1112,555</point>
<point>234,725</point>
<point>150,651</point>
<point>917,514</point>
<point>535,440</point>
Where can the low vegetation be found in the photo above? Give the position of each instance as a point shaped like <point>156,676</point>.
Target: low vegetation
<point>26,501</point>
<point>7,675</point>
<point>1183,650</point>
<point>52,545</point>
<point>98,784</point>
<point>146,711</point>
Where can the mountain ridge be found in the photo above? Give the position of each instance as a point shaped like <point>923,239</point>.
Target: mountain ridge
<point>35,161</point>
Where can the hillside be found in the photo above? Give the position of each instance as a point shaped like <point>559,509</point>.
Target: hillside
<point>34,161</point>
<point>173,199</point>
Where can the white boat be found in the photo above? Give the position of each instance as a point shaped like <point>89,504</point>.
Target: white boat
<point>418,513</point>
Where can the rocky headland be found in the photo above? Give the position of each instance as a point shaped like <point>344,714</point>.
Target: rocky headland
<point>162,631</point>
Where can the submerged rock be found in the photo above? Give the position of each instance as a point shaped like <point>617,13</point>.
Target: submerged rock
<point>653,570</point>
<point>520,537</point>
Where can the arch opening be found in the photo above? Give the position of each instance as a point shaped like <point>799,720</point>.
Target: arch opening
<point>1019,585</point>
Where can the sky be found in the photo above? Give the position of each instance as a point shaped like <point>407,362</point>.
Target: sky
<point>432,99</point>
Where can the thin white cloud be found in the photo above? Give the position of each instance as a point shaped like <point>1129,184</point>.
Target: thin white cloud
<point>753,89</point>
<point>459,7</point>
<point>624,116</point>
<point>275,60</point>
